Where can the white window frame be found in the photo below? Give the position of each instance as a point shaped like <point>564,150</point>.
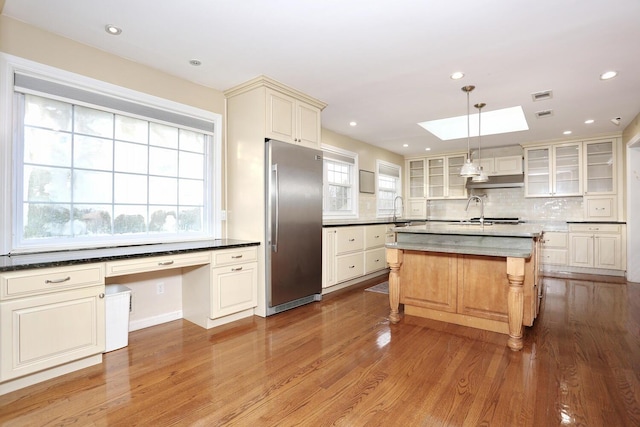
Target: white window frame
<point>385,213</point>
<point>340,153</point>
<point>9,65</point>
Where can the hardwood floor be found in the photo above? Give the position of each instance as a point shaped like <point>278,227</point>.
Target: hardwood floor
<point>340,362</point>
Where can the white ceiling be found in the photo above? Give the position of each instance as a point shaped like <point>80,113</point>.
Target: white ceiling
<point>386,64</point>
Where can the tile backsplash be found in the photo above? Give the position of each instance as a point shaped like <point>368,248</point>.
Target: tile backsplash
<point>498,202</point>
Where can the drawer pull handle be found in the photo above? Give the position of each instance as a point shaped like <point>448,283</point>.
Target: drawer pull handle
<point>378,260</point>
<point>352,266</point>
<point>352,240</point>
<point>236,256</point>
<point>54,281</point>
<point>377,237</point>
<point>165,263</point>
<point>236,269</point>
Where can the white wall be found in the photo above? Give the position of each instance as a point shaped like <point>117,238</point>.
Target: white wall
<point>633,210</point>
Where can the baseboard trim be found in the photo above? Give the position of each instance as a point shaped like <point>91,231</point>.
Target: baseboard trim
<point>154,320</point>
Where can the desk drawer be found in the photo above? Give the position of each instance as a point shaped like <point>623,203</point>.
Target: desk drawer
<point>142,265</point>
<point>234,256</point>
<point>47,280</point>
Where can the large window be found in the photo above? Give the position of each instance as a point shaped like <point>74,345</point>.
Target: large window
<point>92,169</point>
<point>389,187</point>
<point>340,196</point>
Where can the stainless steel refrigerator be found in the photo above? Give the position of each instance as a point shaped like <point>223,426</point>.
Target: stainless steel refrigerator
<point>293,225</point>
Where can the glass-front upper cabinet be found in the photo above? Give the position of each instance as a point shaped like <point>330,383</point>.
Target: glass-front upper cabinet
<point>415,169</point>
<point>567,172</point>
<point>436,177</point>
<point>599,164</point>
<point>553,171</point>
<point>456,183</point>
<point>443,177</point>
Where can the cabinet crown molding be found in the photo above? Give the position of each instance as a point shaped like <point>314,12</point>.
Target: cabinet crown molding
<point>267,82</point>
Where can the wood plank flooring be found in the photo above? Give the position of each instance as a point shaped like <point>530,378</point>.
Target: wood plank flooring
<point>340,362</point>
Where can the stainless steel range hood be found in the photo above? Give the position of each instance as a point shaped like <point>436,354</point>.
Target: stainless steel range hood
<point>502,181</point>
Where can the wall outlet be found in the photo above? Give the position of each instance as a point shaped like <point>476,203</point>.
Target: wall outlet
<point>160,288</point>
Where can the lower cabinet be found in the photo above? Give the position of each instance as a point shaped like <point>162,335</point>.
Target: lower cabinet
<point>225,290</point>
<point>555,248</point>
<point>50,317</point>
<point>351,252</point>
<point>233,289</point>
<point>45,331</point>
<point>596,246</point>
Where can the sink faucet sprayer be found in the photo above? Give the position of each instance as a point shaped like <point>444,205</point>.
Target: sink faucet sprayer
<point>477,199</point>
<point>395,210</point>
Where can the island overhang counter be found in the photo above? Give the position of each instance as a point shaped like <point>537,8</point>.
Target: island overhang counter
<point>482,276</point>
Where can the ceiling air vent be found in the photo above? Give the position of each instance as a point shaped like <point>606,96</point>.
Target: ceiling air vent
<point>541,96</point>
<point>544,113</point>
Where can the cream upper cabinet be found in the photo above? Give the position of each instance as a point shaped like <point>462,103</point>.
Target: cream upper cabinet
<point>443,177</point>
<point>292,120</point>
<point>599,167</point>
<point>553,171</point>
<point>416,178</point>
<point>505,165</point>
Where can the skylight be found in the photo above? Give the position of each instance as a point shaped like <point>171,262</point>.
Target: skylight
<point>493,122</point>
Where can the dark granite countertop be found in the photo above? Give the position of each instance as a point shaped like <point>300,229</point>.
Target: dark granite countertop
<point>24,261</point>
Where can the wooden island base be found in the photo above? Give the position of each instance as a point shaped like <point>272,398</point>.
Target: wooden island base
<point>499,294</point>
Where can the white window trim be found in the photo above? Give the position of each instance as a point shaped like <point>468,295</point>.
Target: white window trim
<point>355,193</point>
<point>10,64</point>
<point>399,193</point>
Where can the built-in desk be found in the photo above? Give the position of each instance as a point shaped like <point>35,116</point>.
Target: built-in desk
<point>52,305</point>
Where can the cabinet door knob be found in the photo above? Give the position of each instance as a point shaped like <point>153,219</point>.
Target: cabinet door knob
<point>101,295</point>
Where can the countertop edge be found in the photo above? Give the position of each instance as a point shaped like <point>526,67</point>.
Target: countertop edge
<point>18,262</point>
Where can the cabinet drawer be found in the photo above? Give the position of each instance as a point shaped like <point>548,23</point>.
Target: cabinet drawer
<point>349,239</point>
<point>600,208</point>
<point>141,265</point>
<point>555,239</point>
<point>374,260</point>
<point>374,236</point>
<point>555,256</point>
<point>595,228</point>
<point>234,256</point>
<point>350,266</point>
<point>42,281</point>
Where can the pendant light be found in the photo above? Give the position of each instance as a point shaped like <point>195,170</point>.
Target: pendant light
<point>468,169</point>
<point>482,176</point>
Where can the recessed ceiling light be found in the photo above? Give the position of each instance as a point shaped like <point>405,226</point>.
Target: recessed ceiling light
<point>493,122</point>
<point>608,75</point>
<point>112,29</point>
<point>567,132</point>
<point>405,145</point>
<point>427,149</point>
<point>353,124</point>
<point>195,62</point>
<point>588,122</point>
<point>457,75</point>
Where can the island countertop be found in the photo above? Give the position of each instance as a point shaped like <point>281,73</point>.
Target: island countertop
<point>502,240</point>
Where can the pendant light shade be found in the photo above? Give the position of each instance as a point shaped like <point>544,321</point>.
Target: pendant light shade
<point>482,176</point>
<point>468,169</point>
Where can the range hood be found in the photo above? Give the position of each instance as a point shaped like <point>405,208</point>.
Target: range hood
<point>501,181</point>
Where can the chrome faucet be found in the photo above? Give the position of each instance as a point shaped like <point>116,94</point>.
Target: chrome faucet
<point>395,210</point>
<point>477,199</point>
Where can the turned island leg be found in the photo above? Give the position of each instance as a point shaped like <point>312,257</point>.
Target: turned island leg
<point>394,259</point>
<point>515,302</point>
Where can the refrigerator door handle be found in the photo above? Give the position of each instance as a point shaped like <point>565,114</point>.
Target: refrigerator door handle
<point>275,207</point>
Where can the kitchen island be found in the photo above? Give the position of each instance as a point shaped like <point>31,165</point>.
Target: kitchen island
<point>478,275</point>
